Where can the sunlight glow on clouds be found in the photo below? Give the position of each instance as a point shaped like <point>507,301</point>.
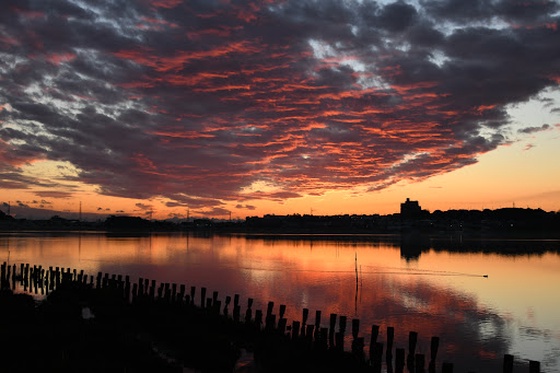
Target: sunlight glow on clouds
<point>207,104</point>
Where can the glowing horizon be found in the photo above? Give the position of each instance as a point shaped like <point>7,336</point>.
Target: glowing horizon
<point>278,107</point>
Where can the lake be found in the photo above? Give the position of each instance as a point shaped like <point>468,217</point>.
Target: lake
<point>483,299</point>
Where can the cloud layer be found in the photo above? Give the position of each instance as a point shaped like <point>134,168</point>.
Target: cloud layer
<point>202,102</point>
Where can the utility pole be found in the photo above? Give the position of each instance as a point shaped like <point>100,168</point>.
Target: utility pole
<point>80,215</point>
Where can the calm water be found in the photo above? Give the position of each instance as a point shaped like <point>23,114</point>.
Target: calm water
<point>435,292</point>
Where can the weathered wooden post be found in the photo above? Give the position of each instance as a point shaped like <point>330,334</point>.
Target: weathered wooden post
<point>377,357</point>
<point>373,340</point>
<point>304,317</point>
<point>160,292</point>
<point>399,360</point>
<point>269,309</point>
<point>152,291</point>
<point>134,292</point>
<point>322,337</point>
<point>434,345</point>
<point>173,292</point>
<point>412,340</point>
<point>258,319</point>
<point>226,306</point>
<point>216,306</point>
<point>332,324</point>
<point>193,293</point>
<point>167,292</point>
<point>339,336</point>
<point>317,323</point>
<point>126,288</point>
<point>236,312</point>
<point>357,342</point>
<point>534,366</point>
<point>419,363</point>
<point>508,363</point>
<point>282,311</point>
<point>282,326</point>
<point>270,322</point>
<point>236,308</point>
<point>249,311</point>
<point>389,352</point>
<point>295,329</point>
<point>446,367</point>
<point>181,296</point>
<point>202,297</point>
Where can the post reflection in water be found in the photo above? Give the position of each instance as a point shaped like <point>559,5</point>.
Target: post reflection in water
<point>405,284</point>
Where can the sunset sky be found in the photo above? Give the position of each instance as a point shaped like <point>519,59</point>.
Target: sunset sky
<point>221,107</point>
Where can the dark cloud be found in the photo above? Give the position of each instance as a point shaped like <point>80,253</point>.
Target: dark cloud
<point>544,127</point>
<point>245,207</point>
<point>197,102</point>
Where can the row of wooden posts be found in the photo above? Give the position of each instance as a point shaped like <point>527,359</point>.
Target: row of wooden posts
<point>40,280</point>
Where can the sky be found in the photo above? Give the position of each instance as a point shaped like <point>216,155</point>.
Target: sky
<point>234,108</point>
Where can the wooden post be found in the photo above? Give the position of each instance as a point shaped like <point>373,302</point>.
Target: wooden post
<point>389,353</point>
<point>236,312</point>
<point>419,363</point>
<point>226,306</point>
<point>202,297</point>
<point>373,340</point>
<point>270,322</point>
<point>236,308</point>
<point>332,324</point>
<point>173,292</point>
<point>269,309</point>
<point>282,311</point>
<point>193,293</point>
<point>534,366</point>
<point>377,360</point>
<point>434,345</point>
<point>339,342</point>
<point>317,323</point>
<point>152,293</point>
<point>357,343</point>
<point>412,340</point>
<point>249,312</point>
<point>282,326</point>
<point>321,340</point>
<point>181,298</point>
<point>304,317</point>
<point>217,306</point>
<point>258,319</point>
<point>447,367</point>
<point>508,363</point>
<point>355,328</point>
<point>399,360</point>
<point>295,329</point>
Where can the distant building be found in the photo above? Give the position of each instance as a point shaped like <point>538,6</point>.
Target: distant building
<point>410,209</point>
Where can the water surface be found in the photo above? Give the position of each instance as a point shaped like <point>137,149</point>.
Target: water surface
<point>431,289</point>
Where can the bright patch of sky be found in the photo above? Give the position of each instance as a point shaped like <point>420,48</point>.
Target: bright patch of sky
<point>324,51</point>
<point>261,186</point>
<point>537,111</point>
<point>438,58</point>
